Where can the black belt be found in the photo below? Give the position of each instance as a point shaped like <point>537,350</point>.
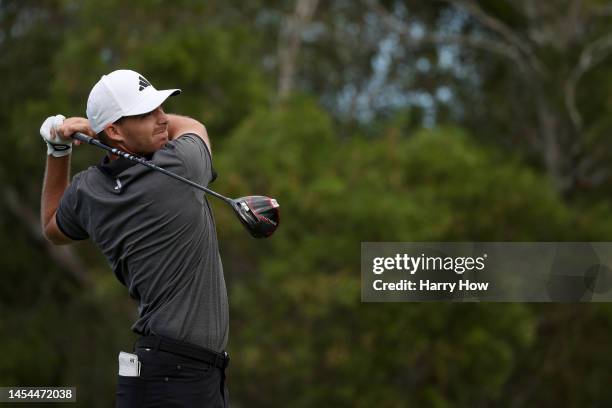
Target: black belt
<point>219,360</point>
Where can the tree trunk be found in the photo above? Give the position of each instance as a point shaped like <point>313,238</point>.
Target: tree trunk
<point>290,41</point>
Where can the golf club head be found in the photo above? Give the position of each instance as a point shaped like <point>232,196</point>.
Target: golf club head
<point>259,214</point>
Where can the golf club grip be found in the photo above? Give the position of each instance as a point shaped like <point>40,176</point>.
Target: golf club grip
<point>90,140</point>
<point>82,137</point>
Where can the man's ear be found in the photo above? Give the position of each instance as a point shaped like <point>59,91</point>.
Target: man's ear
<point>113,133</point>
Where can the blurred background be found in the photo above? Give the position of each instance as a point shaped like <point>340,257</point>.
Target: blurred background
<point>368,120</point>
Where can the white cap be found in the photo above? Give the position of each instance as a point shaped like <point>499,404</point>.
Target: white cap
<point>122,93</point>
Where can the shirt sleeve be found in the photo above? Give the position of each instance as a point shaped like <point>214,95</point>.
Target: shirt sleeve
<point>193,152</point>
<point>67,215</point>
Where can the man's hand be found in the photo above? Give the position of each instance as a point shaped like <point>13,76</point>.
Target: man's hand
<point>57,131</point>
<point>56,146</point>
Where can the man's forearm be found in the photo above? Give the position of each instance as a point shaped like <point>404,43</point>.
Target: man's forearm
<point>56,180</point>
<point>179,125</point>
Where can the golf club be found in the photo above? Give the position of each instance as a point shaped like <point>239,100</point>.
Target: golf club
<point>259,214</point>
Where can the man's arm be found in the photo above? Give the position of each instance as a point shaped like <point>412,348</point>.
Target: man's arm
<point>179,125</point>
<point>56,181</point>
<point>57,177</point>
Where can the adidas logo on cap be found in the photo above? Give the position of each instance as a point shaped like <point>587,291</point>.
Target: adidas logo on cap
<point>143,83</point>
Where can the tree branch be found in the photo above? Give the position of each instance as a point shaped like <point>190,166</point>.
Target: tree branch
<point>290,42</point>
<point>64,256</point>
<point>592,55</point>
<point>497,26</point>
<point>601,11</point>
<point>592,169</point>
<point>493,46</point>
<point>569,26</point>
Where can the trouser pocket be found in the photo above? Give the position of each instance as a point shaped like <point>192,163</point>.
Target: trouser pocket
<point>130,392</point>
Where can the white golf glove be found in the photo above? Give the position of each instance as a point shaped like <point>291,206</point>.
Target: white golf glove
<point>56,145</point>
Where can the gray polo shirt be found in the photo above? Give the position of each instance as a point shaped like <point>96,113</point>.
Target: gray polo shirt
<point>159,237</point>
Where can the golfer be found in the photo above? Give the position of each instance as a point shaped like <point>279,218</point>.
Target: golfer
<point>157,233</point>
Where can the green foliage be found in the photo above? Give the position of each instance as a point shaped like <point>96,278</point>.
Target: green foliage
<point>181,45</point>
<point>298,312</point>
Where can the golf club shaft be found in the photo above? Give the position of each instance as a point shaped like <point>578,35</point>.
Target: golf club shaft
<point>90,140</point>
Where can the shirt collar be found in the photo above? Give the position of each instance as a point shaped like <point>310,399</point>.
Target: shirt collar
<point>113,168</point>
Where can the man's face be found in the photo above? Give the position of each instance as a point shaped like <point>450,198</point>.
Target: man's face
<point>146,133</point>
